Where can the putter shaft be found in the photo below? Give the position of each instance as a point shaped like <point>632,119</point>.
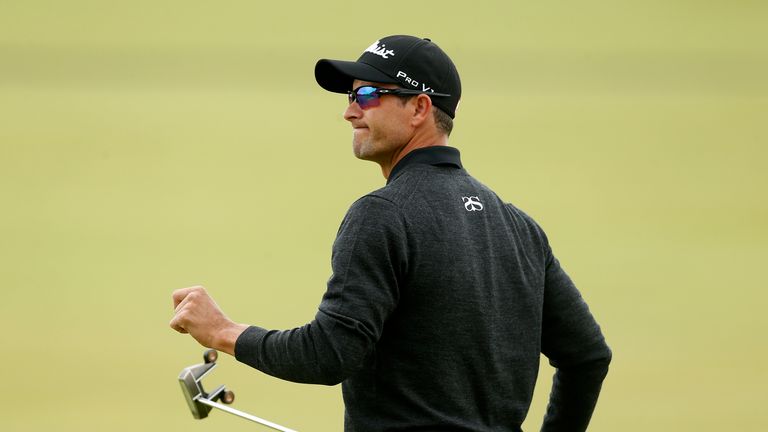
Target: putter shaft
<point>247,416</point>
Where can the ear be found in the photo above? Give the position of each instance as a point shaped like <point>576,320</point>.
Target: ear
<point>422,110</point>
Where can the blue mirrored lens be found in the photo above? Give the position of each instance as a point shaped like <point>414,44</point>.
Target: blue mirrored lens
<point>367,96</point>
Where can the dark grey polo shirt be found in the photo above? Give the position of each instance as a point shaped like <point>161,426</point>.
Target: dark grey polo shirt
<point>441,301</point>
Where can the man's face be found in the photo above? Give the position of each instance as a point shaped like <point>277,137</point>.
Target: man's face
<point>378,132</point>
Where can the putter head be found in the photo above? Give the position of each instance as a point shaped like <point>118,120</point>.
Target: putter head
<point>190,378</point>
<point>200,403</point>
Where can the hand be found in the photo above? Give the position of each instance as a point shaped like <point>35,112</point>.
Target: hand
<point>197,314</point>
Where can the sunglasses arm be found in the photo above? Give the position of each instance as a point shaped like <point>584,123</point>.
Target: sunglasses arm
<point>408,92</point>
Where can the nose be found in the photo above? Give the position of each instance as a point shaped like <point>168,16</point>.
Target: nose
<point>353,112</point>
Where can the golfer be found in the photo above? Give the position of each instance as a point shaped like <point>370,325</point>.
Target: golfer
<point>442,296</point>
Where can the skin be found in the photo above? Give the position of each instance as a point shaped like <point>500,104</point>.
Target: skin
<point>197,314</point>
<point>386,133</point>
<point>382,134</point>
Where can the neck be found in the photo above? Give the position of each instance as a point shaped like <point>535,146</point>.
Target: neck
<point>416,143</point>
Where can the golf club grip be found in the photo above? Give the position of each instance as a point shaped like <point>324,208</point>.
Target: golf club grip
<point>247,416</point>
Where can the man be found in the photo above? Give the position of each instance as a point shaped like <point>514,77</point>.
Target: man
<point>442,296</point>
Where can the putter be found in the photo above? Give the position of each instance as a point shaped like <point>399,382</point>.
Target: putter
<point>200,402</point>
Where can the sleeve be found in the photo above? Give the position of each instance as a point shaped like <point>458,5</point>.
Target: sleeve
<point>368,258</point>
<point>575,346</point>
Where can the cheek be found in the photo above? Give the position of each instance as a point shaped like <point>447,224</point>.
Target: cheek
<point>398,125</point>
<point>387,123</point>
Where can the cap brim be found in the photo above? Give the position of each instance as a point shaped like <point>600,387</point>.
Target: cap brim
<point>337,75</point>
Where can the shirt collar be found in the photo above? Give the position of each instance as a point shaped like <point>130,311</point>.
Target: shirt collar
<point>434,155</point>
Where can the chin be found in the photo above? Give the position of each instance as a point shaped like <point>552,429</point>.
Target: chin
<point>360,150</point>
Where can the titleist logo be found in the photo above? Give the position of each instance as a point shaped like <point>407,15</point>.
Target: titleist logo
<point>379,50</point>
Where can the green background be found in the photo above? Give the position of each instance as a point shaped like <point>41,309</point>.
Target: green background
<point>152,145</point>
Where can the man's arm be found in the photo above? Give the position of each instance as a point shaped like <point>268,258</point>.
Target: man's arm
<point>575,346</point>
<point>368,258</point>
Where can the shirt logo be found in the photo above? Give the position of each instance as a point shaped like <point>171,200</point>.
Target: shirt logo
<point>379,50</point>
<point>472,203</point>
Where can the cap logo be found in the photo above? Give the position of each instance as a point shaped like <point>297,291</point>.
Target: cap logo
<point>379,50</point>
<point>413,82</point>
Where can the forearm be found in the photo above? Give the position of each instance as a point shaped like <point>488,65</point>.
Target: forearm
<point>575,390</point>
<point>227,337</point>
<point>324,351</point>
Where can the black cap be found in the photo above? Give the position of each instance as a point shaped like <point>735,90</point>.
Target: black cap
<point>411,62</point>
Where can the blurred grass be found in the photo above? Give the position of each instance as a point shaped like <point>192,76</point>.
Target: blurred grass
<point>147,146</point>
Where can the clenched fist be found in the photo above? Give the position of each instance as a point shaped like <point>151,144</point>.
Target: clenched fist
<point>197,314</point>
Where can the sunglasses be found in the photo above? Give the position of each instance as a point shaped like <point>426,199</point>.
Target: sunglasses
<point>368,96</point>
